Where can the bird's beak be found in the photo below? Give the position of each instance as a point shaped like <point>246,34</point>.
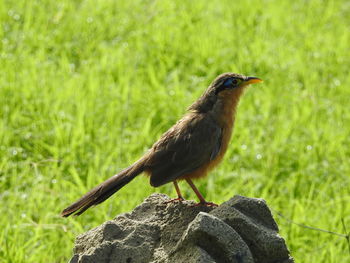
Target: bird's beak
<point>251,80</point>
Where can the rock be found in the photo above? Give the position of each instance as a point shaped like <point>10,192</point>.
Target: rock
<point>206,230</point>
<point>253,221</point>
<point>241,230</point>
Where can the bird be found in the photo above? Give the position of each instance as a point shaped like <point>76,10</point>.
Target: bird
<point>192,147</point>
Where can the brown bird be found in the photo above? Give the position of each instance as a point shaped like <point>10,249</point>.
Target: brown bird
<point>188,150</point>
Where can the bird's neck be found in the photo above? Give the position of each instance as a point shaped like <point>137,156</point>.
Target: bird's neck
<point>224,109</point>
<point>224,112</point>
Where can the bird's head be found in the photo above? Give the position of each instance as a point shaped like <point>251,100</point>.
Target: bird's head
<point>230,82</point>
<point>227,87</point>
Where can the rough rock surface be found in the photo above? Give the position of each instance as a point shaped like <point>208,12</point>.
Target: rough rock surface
<point>241,230</point>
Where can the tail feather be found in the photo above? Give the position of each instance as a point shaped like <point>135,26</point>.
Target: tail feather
<point>103,191</point>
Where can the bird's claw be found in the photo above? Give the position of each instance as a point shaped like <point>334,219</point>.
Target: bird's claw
<point>208,204</point>
<point>179,199</point>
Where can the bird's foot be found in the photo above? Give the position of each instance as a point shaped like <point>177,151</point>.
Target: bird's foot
<point>208,204</point>
<point>175,200</point>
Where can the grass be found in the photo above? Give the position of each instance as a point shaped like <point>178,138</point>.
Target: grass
<point>86,87</point>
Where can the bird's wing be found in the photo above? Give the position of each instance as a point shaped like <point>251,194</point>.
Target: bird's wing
<point>189,144</point>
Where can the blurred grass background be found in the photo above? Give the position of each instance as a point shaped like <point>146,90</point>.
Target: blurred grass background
<point>87,86</point>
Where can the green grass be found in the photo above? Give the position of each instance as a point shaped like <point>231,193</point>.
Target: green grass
<point>87,86</point>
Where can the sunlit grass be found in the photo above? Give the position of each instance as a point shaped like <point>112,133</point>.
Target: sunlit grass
<point>87,86</point>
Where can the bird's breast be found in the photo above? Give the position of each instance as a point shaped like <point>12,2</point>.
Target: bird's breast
<point>225,121</point>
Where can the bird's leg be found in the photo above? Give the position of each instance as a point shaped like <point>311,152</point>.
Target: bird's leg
<point>199,195</point>
<point>179,195</point>
<point>177,188</point>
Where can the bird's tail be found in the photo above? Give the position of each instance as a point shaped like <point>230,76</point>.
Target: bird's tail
<point>103,191</point>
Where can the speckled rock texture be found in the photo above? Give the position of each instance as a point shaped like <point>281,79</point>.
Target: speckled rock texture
<point>241,230</point>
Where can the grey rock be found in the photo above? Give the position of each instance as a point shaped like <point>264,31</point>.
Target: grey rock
<point>252,220</point>
<point>241,230</point>
<point>206,230</point>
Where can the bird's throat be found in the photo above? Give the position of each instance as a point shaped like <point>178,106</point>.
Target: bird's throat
<point>225,108</point>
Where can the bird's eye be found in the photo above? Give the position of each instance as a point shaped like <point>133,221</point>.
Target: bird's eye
<point>234,82</point>
<point>230,82</point>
